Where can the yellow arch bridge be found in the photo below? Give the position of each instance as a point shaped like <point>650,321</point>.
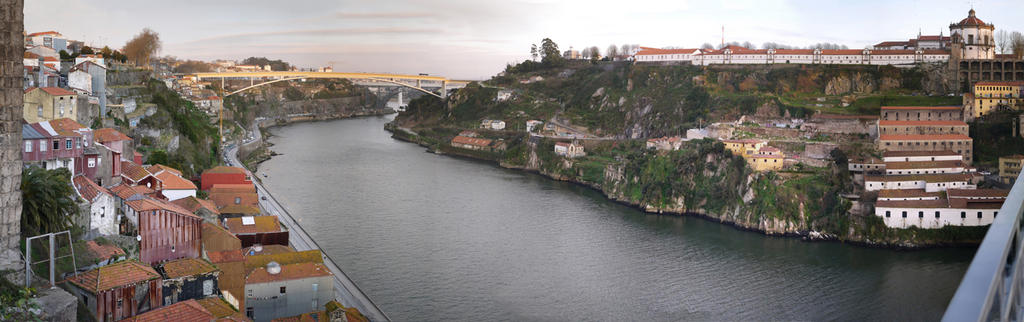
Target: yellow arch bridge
<point>417,82</point>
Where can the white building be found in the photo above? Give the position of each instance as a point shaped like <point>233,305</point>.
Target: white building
<point>492,124</point>
<point>80,81</point>
<point>98,59</point>
<point>919,156</point>
<point>647,54</point>
<point>932,214</point>
<point>570,150</point>
<point>532,124</point>
<point>972,38</point>
<point>102,208</point>
<point>746,56</point>
<point>928,182</point>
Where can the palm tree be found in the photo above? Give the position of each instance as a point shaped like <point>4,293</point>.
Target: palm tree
<point>48,201</point>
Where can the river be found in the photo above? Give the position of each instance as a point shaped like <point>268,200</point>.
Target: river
<point>433,237</point>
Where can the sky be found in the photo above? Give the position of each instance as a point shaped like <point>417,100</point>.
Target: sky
<point>473,39</point>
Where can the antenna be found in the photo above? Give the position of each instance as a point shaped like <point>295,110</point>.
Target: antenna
<point>723,36</point>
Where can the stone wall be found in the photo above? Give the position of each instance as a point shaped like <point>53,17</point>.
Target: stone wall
<point>11,52</point>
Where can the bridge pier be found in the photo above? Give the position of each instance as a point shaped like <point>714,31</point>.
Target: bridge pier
<point>444,89</point>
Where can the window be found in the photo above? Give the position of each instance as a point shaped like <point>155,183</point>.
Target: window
<point>56,145</point>
<point>920,214</point>
<point>979,215</point>
<point>42,145</point>
<point>248,312</point>
<point>904,214</point>
<point>28,146</point>
<point>283,288</point>
<point>67,144</point>
<point>936,215</point>
<point>120,303</point>
<point>78,142</point>
<point>250,295</point>
<point>39,112</point>
<point>238,200</point>
<point>208,287</point>
<point>887,214</point>
<point>92,163</point>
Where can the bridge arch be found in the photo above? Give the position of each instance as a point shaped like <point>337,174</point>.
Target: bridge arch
<point>371,79</point>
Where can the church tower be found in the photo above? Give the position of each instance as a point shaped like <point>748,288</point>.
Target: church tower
<point>971,38</point>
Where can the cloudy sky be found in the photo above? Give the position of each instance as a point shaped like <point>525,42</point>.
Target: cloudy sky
<point>473,39</point>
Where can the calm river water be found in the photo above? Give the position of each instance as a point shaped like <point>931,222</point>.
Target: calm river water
<point>432,237</point>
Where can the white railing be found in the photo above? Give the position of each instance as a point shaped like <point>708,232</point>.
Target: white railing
<point>991,288</point>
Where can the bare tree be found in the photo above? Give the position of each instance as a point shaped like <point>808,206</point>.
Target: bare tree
<point>534,52</point>
<point>1017,44</point>
<point>1002,41</point>
<point>626,49</point>
<point>144,46</point>
<point>612,51</point>
<point>707,45</point>
<point>594,53</point>
<point>748,45</point>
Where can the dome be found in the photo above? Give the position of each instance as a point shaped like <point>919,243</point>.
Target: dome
<point>971,20</point>
<point>273,268</point>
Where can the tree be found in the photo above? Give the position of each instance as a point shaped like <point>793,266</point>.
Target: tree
<point>612,51</point>
<point>594,53</point>
<point>1017,44</point>
<point>551,57</point>
<point>106,52</point>
<point>707,46</point>
<point>47,201</point>
<point>276,65</point>
<point>64,55</point>
<point>86,50</point>
<point>534,52</point>
<point>748,45</point>
<point>626,49</point>
<point>144,46</point>
<point>1002,41</point>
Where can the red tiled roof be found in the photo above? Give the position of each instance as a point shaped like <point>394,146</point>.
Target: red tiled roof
<point>262,224</point>
<point>68,127</point>
<point>971,20</point>
<point>221,309</point>
<point>234,255</point>
<point>103,252</point>
<point>232,187</point>
<point>240,209</point>
<point>923,165</point>
<point>225,169</point>
<point>1015,157</point>
<point>30,55</point>
<point>124,191</point>
<point>888,154</point>
<point>922,137</point>
<point>843,51</point>
<point>154,169</point>
<point>288,272</point>
<point>944,108</point>
<point>906,193</point>
<point>998,83</point>
<point>87,188</point>
<point>182,311</point>
<point>114,275</point>
<point>105,135</point>
<point>267,250</point>
<point>56,91</point>
<point>658,51</point>
<point>967,193</point>
<point>153,204</point>
<point>929,178</point>
<point>892,43</point>
<point>769,149</point>
<point>170,181</point>
<point>914,123</point>
<point>187,267</point>
<point>471,141</point>
<point>193,204</point>
<point>975,203</point>
<point>940,203</point>
<point>133,171</point>
<point>42,33</point>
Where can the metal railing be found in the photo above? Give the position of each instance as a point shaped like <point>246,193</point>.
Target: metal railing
<point>991,288</point>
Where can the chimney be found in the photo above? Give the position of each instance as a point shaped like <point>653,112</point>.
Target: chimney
<point>41,75</point>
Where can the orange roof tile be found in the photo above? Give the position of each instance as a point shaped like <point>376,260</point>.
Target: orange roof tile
<point>261,224</point>
<point>147,204</point>
<point>288,272</point>
<point>906,193</point>
<point>308,256</point>
<point>133,171</point>
<point>225,256</point>
<point>194,204</point>
<point>224,199</point>
<point>267,250</point>
<point>922,137</point>
<point>659,51</point>
<point>115,275</point>
<point>975,193</point>
<point>940,203</point>
<point>218,307</point>
<point>154,169</point>
<point>225,169</point>
<point>944,108</point>
<point>187,267</point>
<point>105,135</point>
<point>182,311</point>
<point>919,123</point>
<point>924,165</point>
<point>87,188</point>
<point>889,154</point>
<point>103,252</point>
<point>57,91</point>
<point>999,83</point>
<point>240,209</point>
<point>68,127</point>
<point>930,178</point>
<point>171,181</point>
<point>124,191</point>
<point>232,188</point>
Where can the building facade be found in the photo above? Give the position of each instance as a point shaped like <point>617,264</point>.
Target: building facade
<point>276,290</point>
<point>1009,168</point>
<point>987,96</point>
<point>49,103</point>
<point>188,279</point>
<point>959,143</point>
<point>118,291</point>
